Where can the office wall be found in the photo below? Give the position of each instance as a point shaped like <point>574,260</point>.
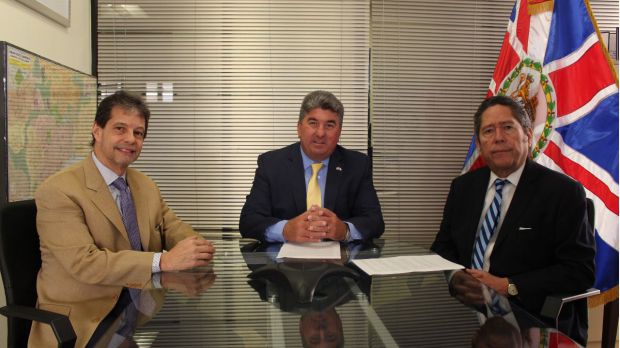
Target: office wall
<point>70,46</point>
<point>32,31</point>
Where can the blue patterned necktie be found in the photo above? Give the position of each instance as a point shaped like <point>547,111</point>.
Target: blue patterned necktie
<point>128,210</point>
<point>488,225</point>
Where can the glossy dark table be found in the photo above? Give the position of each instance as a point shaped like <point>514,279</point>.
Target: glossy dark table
<point>248,298</point>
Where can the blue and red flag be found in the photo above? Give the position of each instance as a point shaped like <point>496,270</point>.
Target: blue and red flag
<point>552,59</point>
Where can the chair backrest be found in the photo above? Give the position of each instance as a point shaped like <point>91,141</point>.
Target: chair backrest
<point>20,261</point>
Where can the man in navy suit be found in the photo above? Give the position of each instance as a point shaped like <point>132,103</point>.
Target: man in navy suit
<point>276,209</point>
<point>542,243</point>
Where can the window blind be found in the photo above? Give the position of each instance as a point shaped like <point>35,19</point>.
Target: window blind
<point>224,81</point>
<point>432,61</point>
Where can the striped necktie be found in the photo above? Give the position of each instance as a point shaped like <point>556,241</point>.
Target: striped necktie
<point>488,225</point>
<point>128,212</point>
<point>313,197</point>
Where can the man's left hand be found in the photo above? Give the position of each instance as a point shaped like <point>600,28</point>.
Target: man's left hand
<point>325,220</point>
<point>500,285</point>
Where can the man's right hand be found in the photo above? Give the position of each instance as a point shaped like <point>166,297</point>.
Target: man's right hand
<point>189,253</point>
<point>466,289</point>
<point>298,229</point>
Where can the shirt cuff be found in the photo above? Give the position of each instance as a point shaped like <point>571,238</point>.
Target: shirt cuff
<point>155,265</point>
<point>156,280</point>
<point>275,232</point>
<point>354,234</point>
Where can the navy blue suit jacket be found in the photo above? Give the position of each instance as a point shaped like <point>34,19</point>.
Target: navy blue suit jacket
<point>279,192</point>
<point>545,244</point>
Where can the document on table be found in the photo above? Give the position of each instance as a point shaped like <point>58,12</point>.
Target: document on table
<point>406,264</point>
<point>320,250</point>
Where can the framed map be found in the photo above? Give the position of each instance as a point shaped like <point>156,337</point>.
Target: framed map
<point>47,111</point>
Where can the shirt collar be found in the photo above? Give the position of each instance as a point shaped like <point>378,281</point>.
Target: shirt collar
<point>108,174</point>
<point>513,177</point>
<point>307,161</point>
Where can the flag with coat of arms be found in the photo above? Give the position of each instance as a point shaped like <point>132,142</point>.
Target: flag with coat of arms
<point>552,59</point>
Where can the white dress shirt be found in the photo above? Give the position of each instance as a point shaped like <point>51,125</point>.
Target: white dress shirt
<point>507,194</point>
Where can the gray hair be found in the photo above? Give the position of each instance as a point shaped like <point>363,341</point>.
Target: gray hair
<point>516,108</point>
<point>321,99</point>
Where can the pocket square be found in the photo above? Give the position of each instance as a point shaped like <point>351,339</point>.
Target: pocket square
<point>524,228</point>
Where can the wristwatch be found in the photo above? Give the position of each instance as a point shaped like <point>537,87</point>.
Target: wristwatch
<point>512,289</point>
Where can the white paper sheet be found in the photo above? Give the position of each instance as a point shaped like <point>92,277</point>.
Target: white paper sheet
<point>320,250</point>
<point>406,264</point>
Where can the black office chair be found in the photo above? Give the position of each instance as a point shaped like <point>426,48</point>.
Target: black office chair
<point>20,261</point>
<point>553,304</point>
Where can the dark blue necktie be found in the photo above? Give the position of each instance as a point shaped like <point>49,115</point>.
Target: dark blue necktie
<point>128,210</point>
<point>488,226</point>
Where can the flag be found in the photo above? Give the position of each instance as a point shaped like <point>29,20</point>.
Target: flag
<point>553,60</point>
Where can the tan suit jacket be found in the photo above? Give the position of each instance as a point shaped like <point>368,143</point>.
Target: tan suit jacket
<point>85,251</point>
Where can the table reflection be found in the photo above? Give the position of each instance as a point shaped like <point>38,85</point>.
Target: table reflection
<point>320,324</point>
<point>135,307</point>
<point>502,323</point>
<point>249,298</point>
<point>311,288</point>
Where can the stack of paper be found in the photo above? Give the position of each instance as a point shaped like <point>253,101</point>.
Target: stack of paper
<point>320,250</point>
<point>406,264</point>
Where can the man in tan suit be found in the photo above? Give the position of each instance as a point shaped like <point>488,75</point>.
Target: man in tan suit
<point>86,251</point>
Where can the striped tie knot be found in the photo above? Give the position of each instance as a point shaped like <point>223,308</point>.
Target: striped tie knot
<point>499,186</point>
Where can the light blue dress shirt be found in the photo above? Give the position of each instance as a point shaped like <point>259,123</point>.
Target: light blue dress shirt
<point>275,232</point>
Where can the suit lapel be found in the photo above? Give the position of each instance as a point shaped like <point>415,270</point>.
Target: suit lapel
<point>334,177</point>
<point>520,201</point>
<point>101,196</point>
<point>140,199</point>
<point>298,181</point>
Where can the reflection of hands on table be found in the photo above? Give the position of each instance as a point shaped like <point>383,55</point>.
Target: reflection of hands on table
<point>315,225</point>
<point>188,283</point>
